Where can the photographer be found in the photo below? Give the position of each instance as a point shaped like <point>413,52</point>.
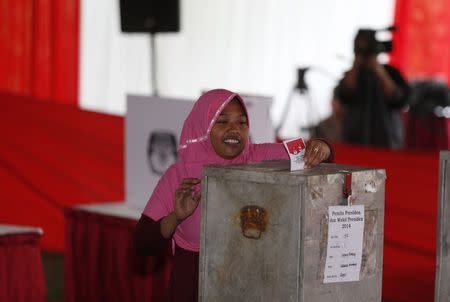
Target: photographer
<point>372,96</point>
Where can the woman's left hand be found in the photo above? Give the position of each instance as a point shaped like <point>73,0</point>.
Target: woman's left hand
<point>316,152</point>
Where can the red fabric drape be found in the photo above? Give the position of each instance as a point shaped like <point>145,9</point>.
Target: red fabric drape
<point>39,49</point>
<point>21,274</point>
<point>421,45</point>
<point>53,156</point>
<point>100,264</point>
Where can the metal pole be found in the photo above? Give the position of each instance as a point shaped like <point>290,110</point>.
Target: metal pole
<point>153,64</point>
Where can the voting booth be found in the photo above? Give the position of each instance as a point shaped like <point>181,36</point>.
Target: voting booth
<point>268,234</point>
<point>442,287</point>
<point>153,127</point>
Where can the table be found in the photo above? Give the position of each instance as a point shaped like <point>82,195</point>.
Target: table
<point>21,272</point>
<point>99,262</point>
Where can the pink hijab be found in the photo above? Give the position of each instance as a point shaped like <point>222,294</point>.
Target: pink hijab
<point>195,152</point>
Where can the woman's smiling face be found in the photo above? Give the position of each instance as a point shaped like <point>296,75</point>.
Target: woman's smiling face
<point>230,132</point>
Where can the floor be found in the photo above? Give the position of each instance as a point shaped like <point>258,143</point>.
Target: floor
<point>53,264</point>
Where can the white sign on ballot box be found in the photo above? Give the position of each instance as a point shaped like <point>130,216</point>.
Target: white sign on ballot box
<point>344,244</point>
<point>152,131</point>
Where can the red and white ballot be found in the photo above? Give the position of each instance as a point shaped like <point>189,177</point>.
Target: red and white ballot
<point>296,148</point>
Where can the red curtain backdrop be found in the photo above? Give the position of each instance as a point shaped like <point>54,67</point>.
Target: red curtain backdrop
<point>39,42</point>
<point>422,41</point>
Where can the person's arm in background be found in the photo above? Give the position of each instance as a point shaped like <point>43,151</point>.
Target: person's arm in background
<point>387,84</point>
<point>350,80</point>
<point>346,88</point>
<point>401,90</point>
<point>395,88</point>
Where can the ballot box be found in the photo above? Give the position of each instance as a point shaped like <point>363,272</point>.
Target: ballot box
<point>442,287</point>
<point>268,234</point>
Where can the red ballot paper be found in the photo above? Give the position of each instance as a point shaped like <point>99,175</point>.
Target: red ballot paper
<point>296,149</point>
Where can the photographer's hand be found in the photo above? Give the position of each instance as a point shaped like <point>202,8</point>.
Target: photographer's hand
<point>358,62</point>
<point>372,64</point>
<point>387,84</point>
<point>350,79</point>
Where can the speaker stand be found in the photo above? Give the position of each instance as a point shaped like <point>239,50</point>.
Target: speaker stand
<point>153,64</point>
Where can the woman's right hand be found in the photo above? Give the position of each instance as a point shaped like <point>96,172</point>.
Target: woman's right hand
<point>185,201</point>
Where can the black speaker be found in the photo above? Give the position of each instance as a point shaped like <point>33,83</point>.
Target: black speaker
<point>150,16</point>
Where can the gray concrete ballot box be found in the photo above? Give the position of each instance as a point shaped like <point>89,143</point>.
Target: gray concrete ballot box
<point>268,234</point>
<point>442,287</point>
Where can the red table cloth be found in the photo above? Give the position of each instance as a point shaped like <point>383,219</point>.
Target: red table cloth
<point>100,264</point>
<point>21,273</point>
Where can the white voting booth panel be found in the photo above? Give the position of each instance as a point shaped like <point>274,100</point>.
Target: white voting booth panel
<point>152,131</point>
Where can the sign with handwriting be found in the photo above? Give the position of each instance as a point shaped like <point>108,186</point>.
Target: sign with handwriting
<point>344,245</point>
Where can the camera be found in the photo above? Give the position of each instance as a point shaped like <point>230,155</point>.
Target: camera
<point>366,43</point>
